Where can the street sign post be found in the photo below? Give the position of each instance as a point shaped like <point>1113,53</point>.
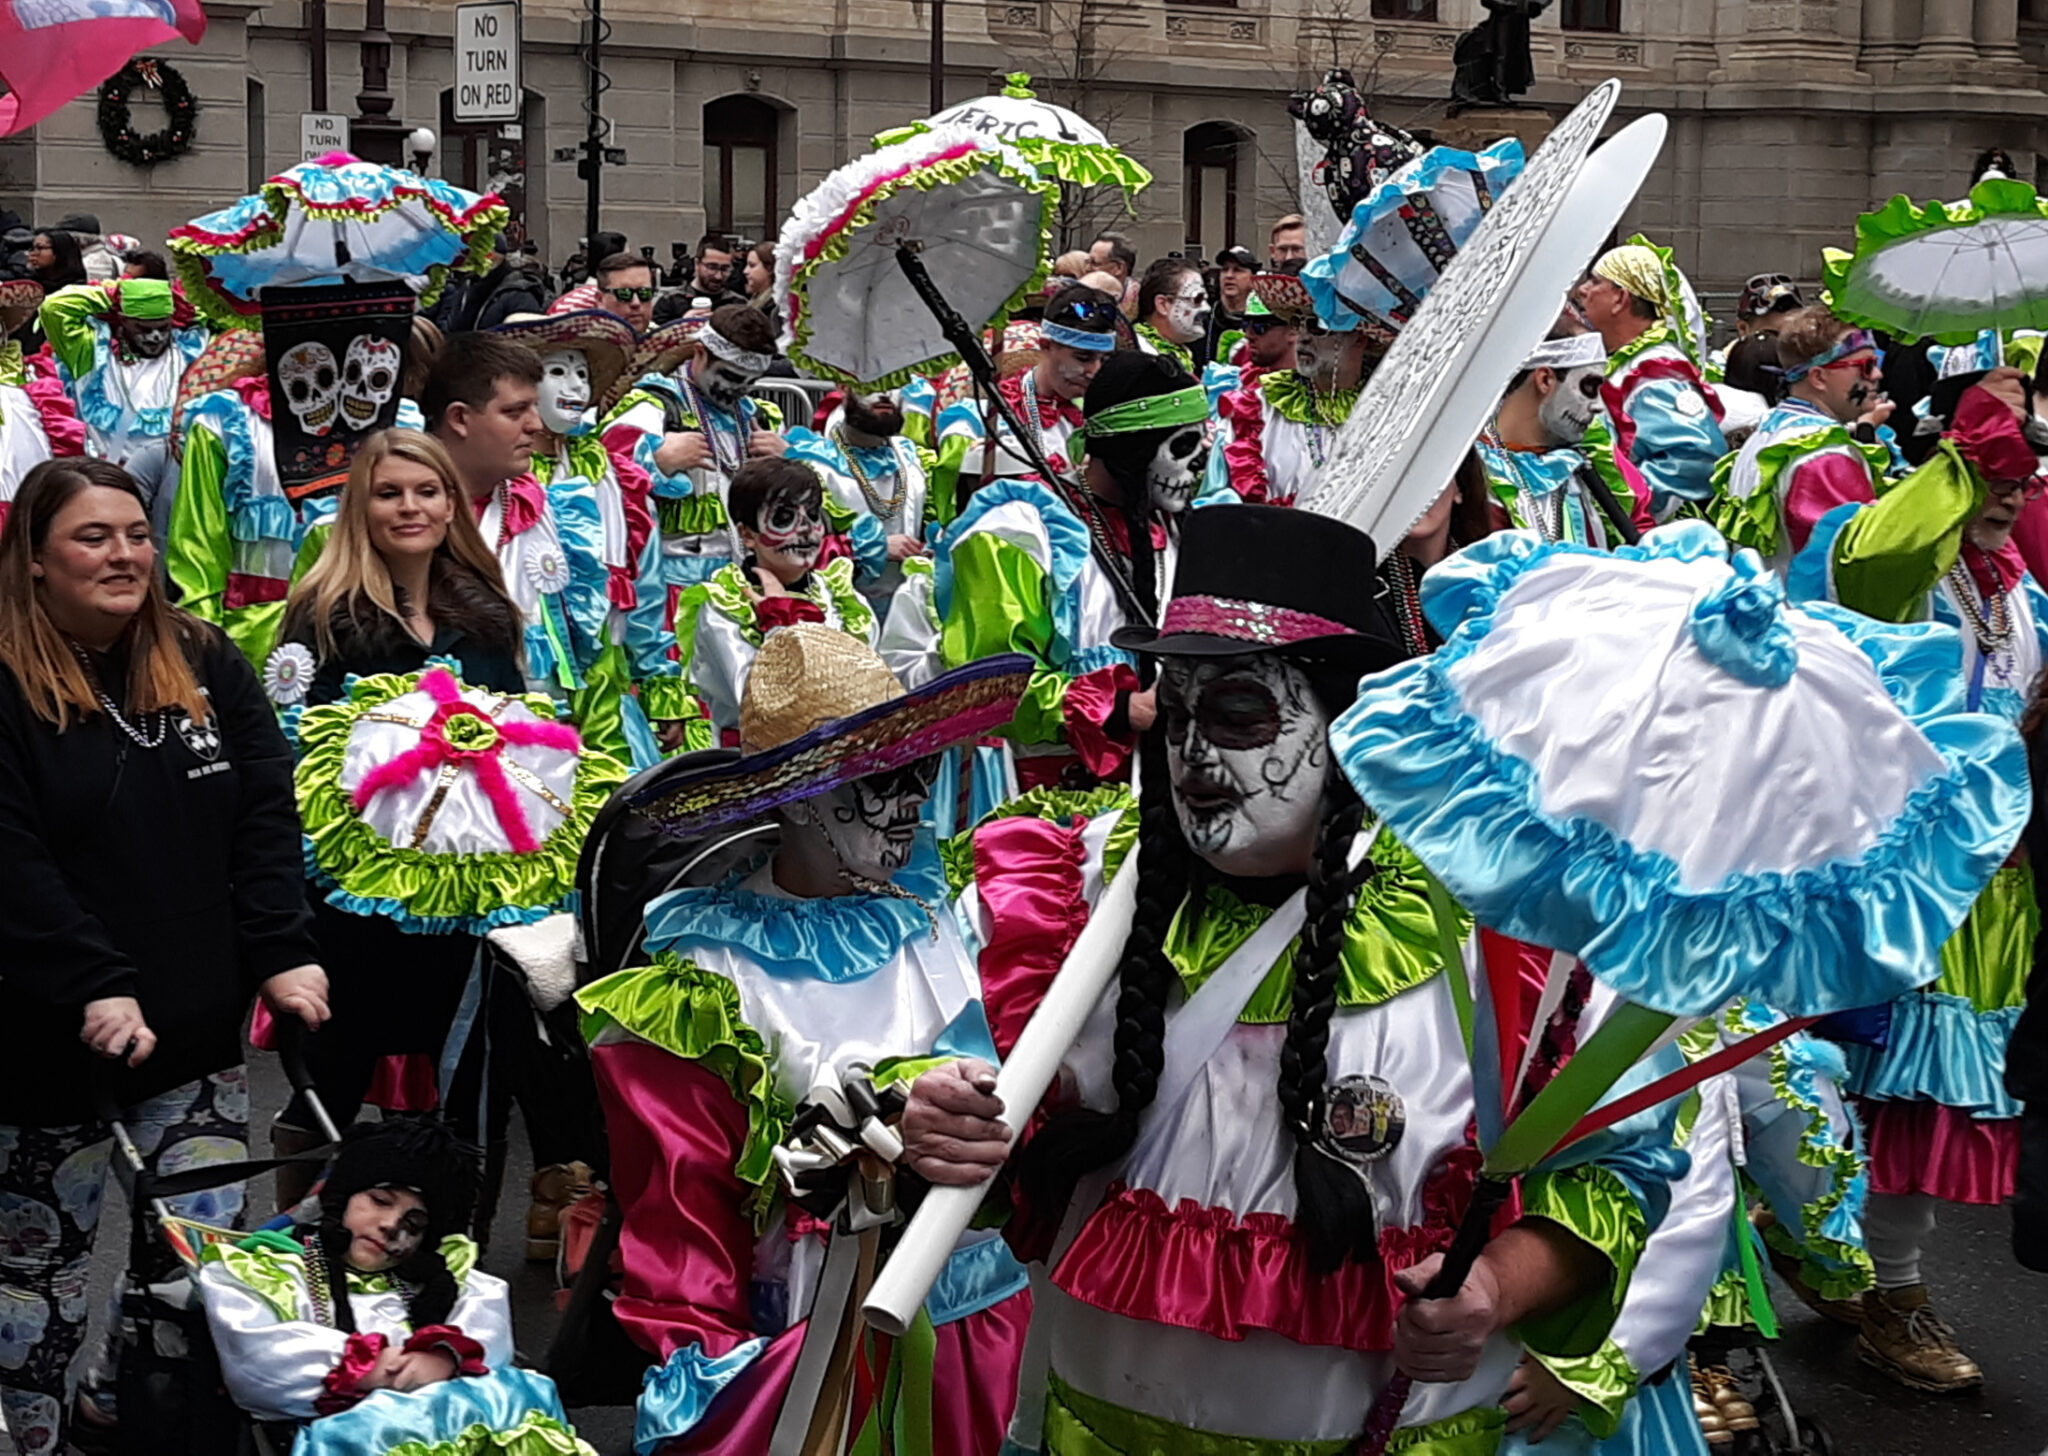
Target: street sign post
<point>487,75</point>
<point>321,132</point>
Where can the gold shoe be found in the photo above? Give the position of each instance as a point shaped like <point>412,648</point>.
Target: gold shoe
<point>1725,1392</point>
<point>1712,1424</point>
<point>554,1189</point>
<point>1907,1340</point>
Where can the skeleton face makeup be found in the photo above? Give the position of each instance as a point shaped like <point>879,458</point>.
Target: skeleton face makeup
<point>871,823</point>
<point>1247,749</point>
<point>312,385</point>
<point>145,338</point>
<point>875,414</point>
<point>1567,411</point>
<point>1317,355</point>
<point>1176,470</point>
<point>1186,315</point>
<point>564,391</point>
<point>723,383</point>
<point>788,534</point>
<point>369,376</point>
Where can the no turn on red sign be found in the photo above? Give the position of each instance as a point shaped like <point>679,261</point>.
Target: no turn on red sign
<point>487,85</point>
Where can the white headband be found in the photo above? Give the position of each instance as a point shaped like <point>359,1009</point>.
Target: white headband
<point>1573,352</point>
<point>732,353</point>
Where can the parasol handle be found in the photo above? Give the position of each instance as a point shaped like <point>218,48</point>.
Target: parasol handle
<point>1488,1195</point>
<point>968,345</point>
<point>1610,505</point>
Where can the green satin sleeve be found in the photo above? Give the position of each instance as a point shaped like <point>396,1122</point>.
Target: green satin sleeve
<point>943,490</point>
<point>67,319</point>
<point>940,506</point>
<point>1595,1207</point>
<point>1891,554</point>
<point>690,1013</point>
<point>198,550</point>
<point>1000,604</point>
<point>1604,1381</point>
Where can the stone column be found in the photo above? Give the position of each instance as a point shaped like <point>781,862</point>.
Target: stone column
<point>1889,30</point>
<point>1948,40</point>
<point>1997,31</point>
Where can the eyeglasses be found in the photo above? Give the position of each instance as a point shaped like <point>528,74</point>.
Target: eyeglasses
<point>705,267</point>
<point>633,295</point>
<point>1868,366</point>
<point>2029,490</point>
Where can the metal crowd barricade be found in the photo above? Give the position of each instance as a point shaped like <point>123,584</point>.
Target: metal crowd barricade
<point>798,399</point>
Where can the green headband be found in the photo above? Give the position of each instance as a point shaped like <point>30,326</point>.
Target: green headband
<point>1188,406</point>
<point>147,300</point>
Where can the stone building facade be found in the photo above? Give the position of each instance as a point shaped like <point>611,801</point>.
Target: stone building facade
<point>1788,116</point>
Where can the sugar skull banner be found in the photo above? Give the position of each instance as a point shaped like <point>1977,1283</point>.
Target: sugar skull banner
<point>335,355</point>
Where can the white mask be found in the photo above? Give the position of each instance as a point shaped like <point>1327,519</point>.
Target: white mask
<point>870,823</point>
<point>565,391</point>
<point>1186,316</point>
<point>1568,411</point>
<point>723,383</point>
<point>1247,748</point>
<point>1176,469</point>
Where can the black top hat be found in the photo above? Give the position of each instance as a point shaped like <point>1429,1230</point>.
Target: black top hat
<point>1272,579</point>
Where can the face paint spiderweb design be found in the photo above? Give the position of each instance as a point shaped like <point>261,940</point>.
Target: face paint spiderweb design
<point>1247,750</point>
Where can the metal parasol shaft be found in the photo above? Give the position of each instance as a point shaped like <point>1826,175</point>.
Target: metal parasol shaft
<point>963,338</point>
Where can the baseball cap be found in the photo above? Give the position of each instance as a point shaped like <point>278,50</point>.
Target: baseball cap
<point>1237,257</point>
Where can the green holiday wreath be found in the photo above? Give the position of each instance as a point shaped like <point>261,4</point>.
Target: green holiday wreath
<point>117,126</point>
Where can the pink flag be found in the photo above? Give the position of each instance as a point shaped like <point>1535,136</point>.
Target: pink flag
<point>54,50</point>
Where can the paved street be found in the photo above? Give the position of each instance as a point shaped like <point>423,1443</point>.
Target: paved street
<point>1996,1305</point>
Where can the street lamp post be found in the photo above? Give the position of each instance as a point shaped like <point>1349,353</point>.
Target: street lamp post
<point>938,65</point>
<point>421,142</point>
<point>375,134</point>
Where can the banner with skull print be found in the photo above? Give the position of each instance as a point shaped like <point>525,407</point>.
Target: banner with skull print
<point>335,354</point>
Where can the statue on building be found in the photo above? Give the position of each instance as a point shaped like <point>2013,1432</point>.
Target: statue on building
<point>1359,152</point>
<point>1492,58</point>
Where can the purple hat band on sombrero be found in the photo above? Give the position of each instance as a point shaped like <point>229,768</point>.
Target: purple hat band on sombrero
<point>1257,624</point>
<point>950,709</point>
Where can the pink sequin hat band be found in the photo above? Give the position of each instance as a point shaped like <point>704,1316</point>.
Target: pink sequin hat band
<point>1256,624</point>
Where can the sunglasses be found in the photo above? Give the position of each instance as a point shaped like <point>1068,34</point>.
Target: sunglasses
<point>633,295</point>
<point>2029,490</point>
<point>1260,327</point>
<point>1868,366</point>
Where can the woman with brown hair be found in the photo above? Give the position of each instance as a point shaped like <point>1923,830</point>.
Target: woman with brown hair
<point>404,578</point>
<point>153,889</point>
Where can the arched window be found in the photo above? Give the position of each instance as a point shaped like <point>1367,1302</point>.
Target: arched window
<point>1589,15</point>
<point>1210,160</point>
<point>739,167</point>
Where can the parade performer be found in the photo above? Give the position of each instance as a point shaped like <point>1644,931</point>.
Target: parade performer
<point>1661,415</point>
<point>778,507</point>
<point>1535,470</point>
<point>1262,1181</point>
<point>687,431</point>
<point>582,357</point>
<point>1053,569</point>
<point>1279,425</point>
<point>37,419</point>
<point>481,401</point>
<point>1938,1122</point>
<point>1077,332</point>
<point>374,1323</point>
<point>878,495</point>
<point>1803,460</point>
<point>123,347</point>
<point>1173,312</point>
<point>828,971</point>
<point>1268,346</point>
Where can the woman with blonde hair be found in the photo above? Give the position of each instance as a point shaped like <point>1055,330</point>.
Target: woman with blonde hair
<point>152,890</point>
<point>404,578</point>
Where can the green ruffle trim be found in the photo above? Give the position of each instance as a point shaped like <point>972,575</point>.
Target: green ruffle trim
<point>892,1070</point>
<point>13,368</point>
<point>1057,806</point>
<point>539,1434</point>
<point>1605,1380</point>
<point>924,177</point>
<point>1674,305</point>
<point>1594,1206</point>
<point>690,515</point>
<point>1829,1267</point>
<point>1084,164</point>
<point>435,893</point>
<point>1757,520</point>
<point>667,700</point>
<point>587,458</point>
<point>1078,1424</point>
<point>1391,943</point>
<point>1294,399</point>
<point>1617,359</point>
<point>1179,354</point>
<point>1727,1306</point>
<point>726,590</point>
<point>688,1012</point>
<point>1902,218</point>
<point>273,1264</point>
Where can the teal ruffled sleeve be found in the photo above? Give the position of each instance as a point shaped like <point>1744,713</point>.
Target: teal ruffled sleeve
<point>1677,444</point>
<point>870,547</point>
<point>585,600</point>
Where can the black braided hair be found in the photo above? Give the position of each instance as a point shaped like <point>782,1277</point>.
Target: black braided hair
<point>419,1153</point>
<point>432,1284</point>
<point>1078,1141</point>
<point>1335,1213</point>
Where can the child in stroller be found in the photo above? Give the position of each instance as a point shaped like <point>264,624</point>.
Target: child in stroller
<point>374,1323</point>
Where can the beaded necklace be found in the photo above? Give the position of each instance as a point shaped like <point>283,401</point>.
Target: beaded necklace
<point>1990,620</point>
<point>705,425</point>
<point>886,508</point>
<point>1406,581</point>
<point>139,737</point>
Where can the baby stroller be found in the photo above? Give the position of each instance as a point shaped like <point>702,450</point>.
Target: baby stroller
<point>172,1399</point>
<point>627,861</point>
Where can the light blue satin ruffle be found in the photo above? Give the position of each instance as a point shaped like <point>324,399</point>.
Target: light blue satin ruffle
<point>1069,542</point>
<point>1943,1049</point>
<point>251,517</point>
<point>410,416</point>
<point>678,1393</point>
<point>99,409</point>
<point>1740,626</point>
<point>919,396</point>
<point>440,1412</point>
<point>1828,938</point>
<point>1676,447</point>
<point>1658,1422</point>
<point>1811,576</point>
<point>834,938</point>
<point>586,600</point>
<point>870,541</point>
<point>974,1279</point>
<point>1219,380</point>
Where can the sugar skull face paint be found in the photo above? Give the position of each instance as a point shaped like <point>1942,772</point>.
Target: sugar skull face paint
<point>1176,470</point>
<point>789,533</point>
<point>723,383</point>
<point>1567,411</point>
<point>1248,750</point>
<point>872,822</point>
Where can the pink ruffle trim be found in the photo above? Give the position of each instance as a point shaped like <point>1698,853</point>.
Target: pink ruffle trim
<point>634,489</point>
<point>1090,703</point>
<point>1924,1147</point>
<point>1029,873</point>
<point>342,1386</point>
<point>773,612</point>
<point>1244,411</point>
<point>467,1354</point>
<point>46,391</point>
<point>1205,1269</point>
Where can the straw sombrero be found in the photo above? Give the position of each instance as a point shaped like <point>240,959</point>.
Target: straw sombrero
<point>19,300</point>
<point>606,340</point>
<point>227,358</point>
<point>822,709</point>
<point>659,351</point>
